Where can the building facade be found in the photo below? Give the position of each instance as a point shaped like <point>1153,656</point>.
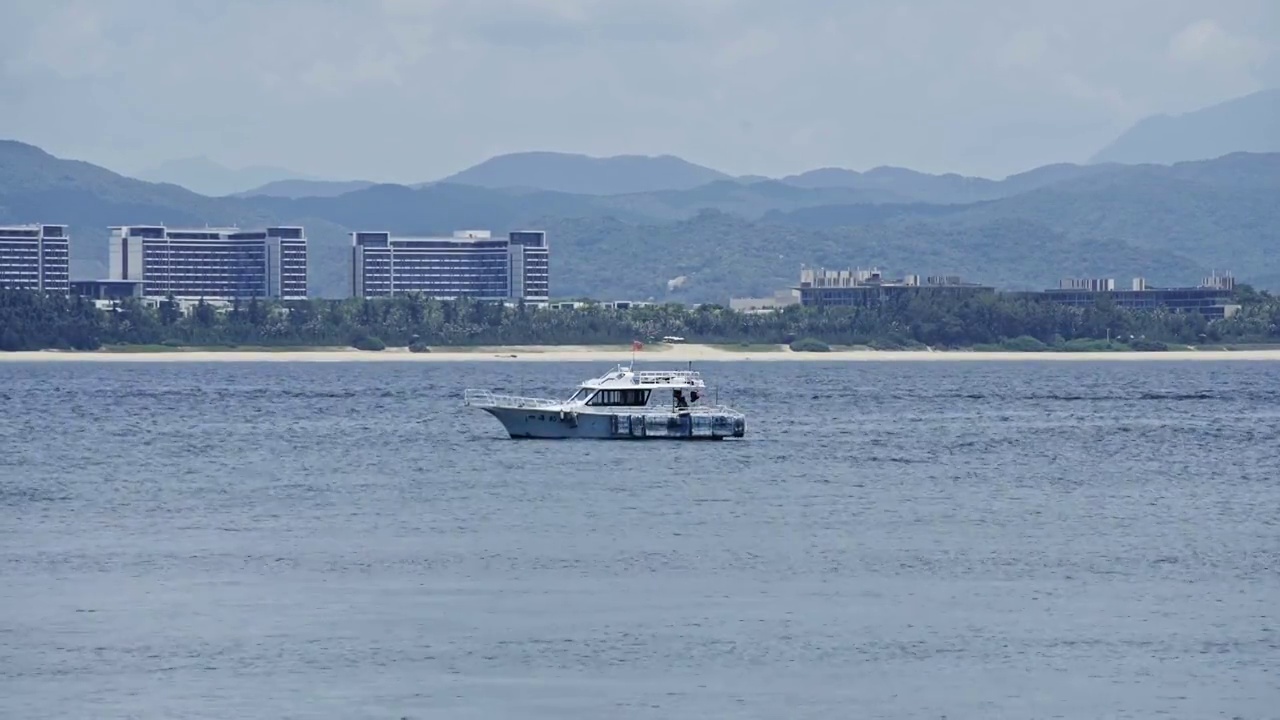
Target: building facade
<point>470,264</point>
<point>530,265</point>
<point>211,263</point>
<point>35,257</point>
<point>780,300</point>
<point>1213,297</point>
<point>107,290</point>
<point>821,287</point>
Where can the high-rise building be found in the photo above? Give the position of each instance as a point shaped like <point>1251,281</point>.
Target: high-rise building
<point>35,257</point>
<point>211,263</point>
<point>530,265</point>
<point>471,264</point>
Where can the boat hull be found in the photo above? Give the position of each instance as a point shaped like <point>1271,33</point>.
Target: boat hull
<point>559,425</point>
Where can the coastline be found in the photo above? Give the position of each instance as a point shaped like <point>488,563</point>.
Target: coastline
<point>613,354</point>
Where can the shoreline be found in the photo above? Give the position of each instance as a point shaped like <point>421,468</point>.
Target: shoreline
<point>613,354</point>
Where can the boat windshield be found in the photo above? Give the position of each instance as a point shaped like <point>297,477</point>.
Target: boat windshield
<point>629,397</point>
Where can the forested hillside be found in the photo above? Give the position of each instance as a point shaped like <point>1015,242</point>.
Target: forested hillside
<point>31,321</point>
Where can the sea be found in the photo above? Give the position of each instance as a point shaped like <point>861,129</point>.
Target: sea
<point>1084,539</point>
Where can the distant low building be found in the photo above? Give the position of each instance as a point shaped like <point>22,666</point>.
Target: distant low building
<point>1088,284</point>
<point>821,287</point>
<point>35,257</point>
<point>625,304</point>
<point>1211,298</point>
<point>780,300</point>
<point>107,289</point>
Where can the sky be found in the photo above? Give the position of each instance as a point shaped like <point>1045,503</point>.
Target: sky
<point>412,90</point>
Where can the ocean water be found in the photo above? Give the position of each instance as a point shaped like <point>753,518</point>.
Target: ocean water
<point>890,540</point>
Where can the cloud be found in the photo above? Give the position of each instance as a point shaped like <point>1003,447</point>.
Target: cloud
<point>413,89</point>
<point>69,42</point>
<point>1205,42</point>
<point>1026,47</point>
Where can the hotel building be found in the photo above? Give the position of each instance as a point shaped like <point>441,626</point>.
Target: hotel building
<point>471,263</point>
<point>1212,298</point>
<point>211,263</point>
<point>35,257</point>
<point>857,287</point>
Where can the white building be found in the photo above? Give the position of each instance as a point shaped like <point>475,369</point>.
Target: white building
<point>470,263</point>
<point>35,257</point>
<point>211,263</point>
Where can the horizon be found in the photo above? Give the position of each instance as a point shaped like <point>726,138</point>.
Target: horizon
<point>926,86</point>
<point>298,176</point>
<point>751,177</point>
<point>285,174</point>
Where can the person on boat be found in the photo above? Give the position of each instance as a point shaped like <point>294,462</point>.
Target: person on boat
<point>682,405</point>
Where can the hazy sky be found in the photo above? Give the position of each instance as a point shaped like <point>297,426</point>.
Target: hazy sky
<point>409,90</point>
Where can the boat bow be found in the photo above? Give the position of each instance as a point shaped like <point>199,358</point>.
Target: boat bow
<point>486,398</point>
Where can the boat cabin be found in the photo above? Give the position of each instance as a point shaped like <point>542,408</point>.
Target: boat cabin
<point>624,387</point>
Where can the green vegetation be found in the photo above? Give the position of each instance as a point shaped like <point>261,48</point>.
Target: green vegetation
<point>1024,343</point>
<point>809,345</point>
<point>32,321</point>
<point>369,343</point>
<point>747,347</point>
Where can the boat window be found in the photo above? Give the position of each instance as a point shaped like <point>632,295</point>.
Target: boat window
<point>580,395</point>
<point>627,397</point>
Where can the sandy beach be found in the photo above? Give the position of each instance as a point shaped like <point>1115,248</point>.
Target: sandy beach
<point>611,355</point>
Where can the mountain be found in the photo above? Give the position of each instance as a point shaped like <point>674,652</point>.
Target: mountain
<point>1246,124</point>
<point>585,175</point>
<point>38,187</point>
<point>1218,212</point>
<point>306,188</point>
<point>906,185</point>
<point>1007,252</point>
<point>910,186</point>
<point>1171,224</point>
<point>202,175</point>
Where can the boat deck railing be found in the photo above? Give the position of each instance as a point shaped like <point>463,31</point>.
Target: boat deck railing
<point>650,377</point>
<point>668,377</point>
<point>665,410</point>
<point>486,398</point>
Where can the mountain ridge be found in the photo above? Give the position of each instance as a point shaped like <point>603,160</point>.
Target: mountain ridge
<point>295,188</point>
<point>1246,123</point>
<point>728,237</point>
<point>203,175</point>
<point>586,175</point>
<point>1250,123</point>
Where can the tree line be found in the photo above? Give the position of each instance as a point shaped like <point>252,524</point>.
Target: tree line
<point>35,321</point>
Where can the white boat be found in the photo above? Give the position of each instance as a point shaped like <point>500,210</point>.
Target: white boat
<point>621,404</point>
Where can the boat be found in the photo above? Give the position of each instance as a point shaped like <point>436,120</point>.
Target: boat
<point>623,403</point>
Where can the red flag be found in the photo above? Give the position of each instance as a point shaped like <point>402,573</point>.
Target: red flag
<point>636,345</point>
